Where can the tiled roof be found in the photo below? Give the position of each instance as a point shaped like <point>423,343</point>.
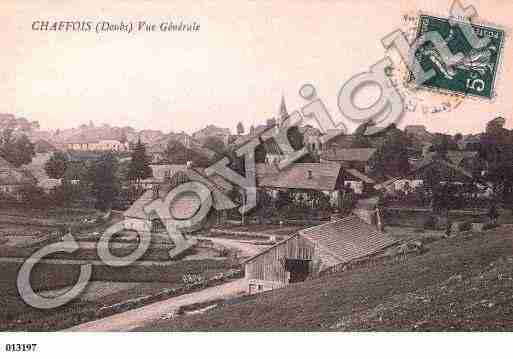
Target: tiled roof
<point>92,136</point>
<point>431,161</point>
<point>316,176</point>
<point>359,175</point>
<point>348,154</point>
<point>422,164</point>
<point>454,157</point>
<point>345,239</point>
<point>386,183</point>
<point>348,238</point>
<point>265,170</point>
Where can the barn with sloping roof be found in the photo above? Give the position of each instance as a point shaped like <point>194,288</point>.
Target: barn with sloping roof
<point>429,169</point>
<point>314,250</point>
<point>358,158</point>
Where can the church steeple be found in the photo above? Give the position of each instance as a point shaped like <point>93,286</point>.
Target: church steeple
<point>283,110</point>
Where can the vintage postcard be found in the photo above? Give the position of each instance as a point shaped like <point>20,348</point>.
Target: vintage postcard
<point>247,166</point>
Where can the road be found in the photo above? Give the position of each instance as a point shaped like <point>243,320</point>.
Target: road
<point>137,318</point>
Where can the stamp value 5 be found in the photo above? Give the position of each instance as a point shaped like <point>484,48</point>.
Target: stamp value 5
<point>475,74</point>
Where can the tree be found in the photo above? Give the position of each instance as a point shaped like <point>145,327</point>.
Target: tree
<point>496,148</point>
<point>16,150</point>
<point>443,143</point>
<point>391,157</point>
<point>34,195</point>
<point>240,128</point>
<point>139,167</point>
<point>295,138</point>
<point>360,139</point>
<point>177,153</point>
<point>56,166</point>
<point>105,185</point>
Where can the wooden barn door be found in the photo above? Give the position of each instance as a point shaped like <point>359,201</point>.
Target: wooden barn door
<point>298,269</point>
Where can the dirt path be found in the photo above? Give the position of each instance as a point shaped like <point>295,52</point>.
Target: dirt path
<point>140,317</point>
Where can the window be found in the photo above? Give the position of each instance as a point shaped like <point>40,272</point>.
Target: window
<point>260,287</point>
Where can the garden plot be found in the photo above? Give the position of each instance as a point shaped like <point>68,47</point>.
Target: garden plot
<point>99,289</point>
<point>21,236</point>
<point>109,287</point>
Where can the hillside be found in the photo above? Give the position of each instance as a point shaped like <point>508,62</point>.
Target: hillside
<point>461,283</point>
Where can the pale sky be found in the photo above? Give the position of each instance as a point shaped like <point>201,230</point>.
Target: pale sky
<point>236,68</point>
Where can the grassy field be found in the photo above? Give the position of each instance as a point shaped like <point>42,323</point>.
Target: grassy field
<point>461,283</point>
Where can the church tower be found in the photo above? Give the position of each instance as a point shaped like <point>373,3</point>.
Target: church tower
<point>283,115</point>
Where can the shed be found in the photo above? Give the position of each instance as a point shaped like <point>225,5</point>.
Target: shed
<point>313,250</point>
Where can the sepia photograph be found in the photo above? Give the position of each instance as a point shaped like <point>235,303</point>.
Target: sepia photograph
<point>329,171</point>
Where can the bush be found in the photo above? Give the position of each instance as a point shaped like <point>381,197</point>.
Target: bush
<point>34,196</point>
<point>429,223</point>
<point>465,226</point>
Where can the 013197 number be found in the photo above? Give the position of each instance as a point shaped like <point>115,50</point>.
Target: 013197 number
<point>20,347</point>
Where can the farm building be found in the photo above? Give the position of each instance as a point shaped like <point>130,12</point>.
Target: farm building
<point>358,158</point>
<point>305,178</point>
<point>163,172</point>
<point>444,171</point>
<point>186,205</point>
<point>312,251</point>
<point>330,178</point>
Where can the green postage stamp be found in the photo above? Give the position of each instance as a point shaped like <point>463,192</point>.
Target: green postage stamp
<point>475,74</point>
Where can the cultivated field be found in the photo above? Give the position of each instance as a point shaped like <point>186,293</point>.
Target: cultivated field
<point>123,283</point>
<point>110,285</point>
